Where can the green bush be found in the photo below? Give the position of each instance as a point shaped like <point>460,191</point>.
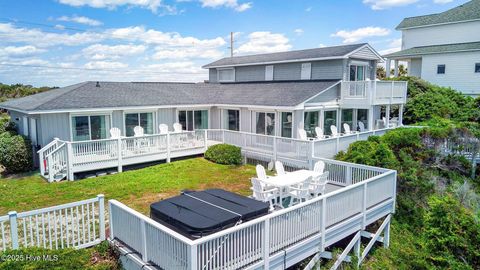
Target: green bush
<point>6,125</point>
<point>15,153</point>
<point>224,154</point>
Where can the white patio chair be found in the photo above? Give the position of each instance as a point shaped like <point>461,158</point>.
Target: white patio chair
<point>163,129</point>
<point>261,173</point>
<point>347,129</point>
<point>384,119</point>
<point>318,184</point>
<point>361,126</point>
<point>177,127</point>
<point>334,131</point>
<point>264,194</point>
<point>279,168</point>
<point>299,193</point>
<point>138,131</point>
<point>302,134</point>
<point>319,133</point>
<point>115,133</point>
<point>319,167</point>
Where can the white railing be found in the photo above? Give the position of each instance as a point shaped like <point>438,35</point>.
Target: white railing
<point>391,90</point>
<point>254,243</point>
<point>373,92</point>
<point>467,147</point>
<point>42,153</point>
<point>356,89</point>
<point>74,225</point>
<point>57,163</point>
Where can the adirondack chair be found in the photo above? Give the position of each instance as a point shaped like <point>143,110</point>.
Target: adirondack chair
<point>279,168</point>
<point>261,173</point>
<point>384,119</point>
<point>318,184</point>
<point>302,134</point>
<point>319,166</point>
<point>299,193</point>
<point>163,129</point>
<point>361,126</point>
<point>334,131</point>
<point>115,133</point>
<point>347,129</point>
<point>319,133</point>
<point>177,127</point>
<point>264,194</point>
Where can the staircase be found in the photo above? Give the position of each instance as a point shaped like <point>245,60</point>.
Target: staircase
<point>54,161</point>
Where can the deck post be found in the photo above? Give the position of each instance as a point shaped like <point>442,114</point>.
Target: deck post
<point>144,241</point>
<point>274,148</point>
<point>386,235</point>
<point>110,223</point>
<point>323,224</point>
<point>49,164</point>
<point>206,139</point>
<point>312,153</point>
<point>400,115</point>
<point>192,260</point>
<point>119,155</point>
<point>266,244</point>
<point>168,147</point>
<point>13,229</point>
<point>348,175</point>
<point>364,206</point>
<point>387,116</point>
<point>101,215</point>
<point>70,161</point>
<point>223,135</point>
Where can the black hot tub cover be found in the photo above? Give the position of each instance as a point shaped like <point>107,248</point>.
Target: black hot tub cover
<point>199,213</point>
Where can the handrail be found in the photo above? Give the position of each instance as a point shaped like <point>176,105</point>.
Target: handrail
<point>56,150</point>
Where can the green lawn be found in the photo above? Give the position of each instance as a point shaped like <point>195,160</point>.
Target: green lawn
<point>136,188</point>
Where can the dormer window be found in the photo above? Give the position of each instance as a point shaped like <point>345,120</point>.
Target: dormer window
<point>226,75</point>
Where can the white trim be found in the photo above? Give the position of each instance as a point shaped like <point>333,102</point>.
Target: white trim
<point>108,124</point>
<point>306,71</point>
<point>25,128</point>
<point>269,72</point>
<point>222,115</point>
<point>154,116</point>
<point>435,24</point>
<point>370,48</point>
<point>278,62</point>
<point>415,55</point>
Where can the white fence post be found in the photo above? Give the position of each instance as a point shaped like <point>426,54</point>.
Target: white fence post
<point>274,148</point>
<point>101,215</point>
<point>223,135</point>
<point>348,176</point>
<point>206,139</point>
<point>168,147</point>
<point>50,168</point>
<point>13,229</point>
<point>266,244</point>
<point>323,224</point>
<point>69,161</point>
<point>110,223</point>
<point>364,206</point>
<point>143,235</point>
<point>120,158</point>
<point>193,257</point>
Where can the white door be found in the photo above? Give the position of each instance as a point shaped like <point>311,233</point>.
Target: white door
<point>33,131</point>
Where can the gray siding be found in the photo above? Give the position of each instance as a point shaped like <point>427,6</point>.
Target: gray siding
<point>290,71</point>
<point>117,120</point>
<point>245,120</point>
<point>365,53</point>
<point>297,122</point>
<point>54,125</point>
<point>215,118</point>
<point>328,96</point>
<point>167,117</point>
<point>327,70</point>
<point>250,73</point>
<point>212,75</point>
<point>17,118</point>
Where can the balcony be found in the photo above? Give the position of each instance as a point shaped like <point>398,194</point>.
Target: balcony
<point>363,94</point>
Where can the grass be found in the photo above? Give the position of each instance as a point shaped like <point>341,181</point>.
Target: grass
<point>136,188</point>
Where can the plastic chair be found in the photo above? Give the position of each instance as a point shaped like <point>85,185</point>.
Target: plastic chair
<point>264,194</point>
<point>163,129</point>
<point>279,168</point>
<point>115,133</point>
<point>319,133</point>
<point>347,129</point>
<point>177,127</point>
<point>319,167</point>
<point>361,126</point>
<point>299,193</point>
<point>318,184</point>
<point>261,173</point>
<point>334,131</point>
<point>138,131</point>
<point>302,134</point>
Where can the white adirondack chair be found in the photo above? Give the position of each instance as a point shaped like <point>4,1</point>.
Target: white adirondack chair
<point>279,168</point>
<point>264,194</point>
<point>261,173</point>
<point>384,119</point>
<point>334,131</point>
<point>319,167</point>
<point>138,131</point>
<point>299,193</point>
<point>347,129</point>
<point>115,133</point>
<point>361,126</point>
<point>177,127</point>
<point>319,133</point>
<point>163,129</point>
<point>318,184</point>
<point>302,134</point>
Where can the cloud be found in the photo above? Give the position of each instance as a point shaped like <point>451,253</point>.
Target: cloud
<point>183,53</point>
<point>385,4</point>
<point>153,5</point>
<point>105,65</point>
<point>20,51</point>
<point>102,52</point>
<point>321,45</point>
<point>264,42</point>
<point>298,31</point>
<point>227,3</point>
<point>80,20</point>
<point>442,2</point>
<point>394,46</point>
<point>308,9</point>
<point>360,34</point>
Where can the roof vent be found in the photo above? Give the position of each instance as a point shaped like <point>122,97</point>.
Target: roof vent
<point>98,84</point>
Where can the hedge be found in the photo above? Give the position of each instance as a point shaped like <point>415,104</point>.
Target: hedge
<point>224,154</point>
<point>15,153</point>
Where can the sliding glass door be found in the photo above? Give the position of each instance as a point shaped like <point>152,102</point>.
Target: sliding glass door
<point>311,121</point>
<point>265,123</point>
<point>286,124</point>
<point>89,127</point>
<point>347,118</point>
<point>193,119</point>
<point>329,119</point>
<point>231,120</point>
<point>145,120</point>
<point>362,118</point>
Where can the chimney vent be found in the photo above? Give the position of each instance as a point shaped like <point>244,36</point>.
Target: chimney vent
<point>98,84</point>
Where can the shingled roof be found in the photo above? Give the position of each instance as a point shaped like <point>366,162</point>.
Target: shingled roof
<point>466,12</point>
<point>116,95</point>
<point>299,55</point>
<point>447,48</point>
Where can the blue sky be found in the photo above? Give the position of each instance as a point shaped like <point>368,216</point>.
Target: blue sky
<point>62,42</point>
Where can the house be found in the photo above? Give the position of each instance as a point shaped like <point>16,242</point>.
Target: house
<point>443,48</point>
<point>273,94</point>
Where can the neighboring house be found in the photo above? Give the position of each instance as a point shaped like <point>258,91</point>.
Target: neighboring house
<point>443,48</point>
<point>272,94</point>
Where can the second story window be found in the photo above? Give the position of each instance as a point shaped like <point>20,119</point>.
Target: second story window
<point>441,69</point>
<point>306,72</point>
<point>477,68</point>
<point>226,75</point>
<point>269,73</point>
<point>357,73</point>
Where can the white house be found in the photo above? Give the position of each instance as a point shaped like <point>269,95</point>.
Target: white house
<point>443,48</point>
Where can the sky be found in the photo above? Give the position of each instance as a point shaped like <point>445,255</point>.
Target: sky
<point>63,42</point>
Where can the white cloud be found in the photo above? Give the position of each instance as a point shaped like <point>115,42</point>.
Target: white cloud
<point>105,65</point>
<point>394,46</point>
<point>442,2</point>
<point>321,45</point>
<point>308,9</point>
<point>361,33</point>
<point>264,42</point>
<point>227,3</point>
<point>28,62</point>
<point>80,19</point>
<point>153,5</point>
<point>102,52</point>
<point>384,4</point>
<point>298,31</point>
<point>183,53</point>
<point>20,51</point>
<point>186,67</point>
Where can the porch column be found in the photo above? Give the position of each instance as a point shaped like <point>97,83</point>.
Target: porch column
<point>371,119</point>
<point>387,116</point>
<point>400,115</point>
<point>395,68</point>
<point>388,64</point>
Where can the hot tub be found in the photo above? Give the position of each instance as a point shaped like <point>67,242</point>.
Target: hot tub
<point>199,213</point>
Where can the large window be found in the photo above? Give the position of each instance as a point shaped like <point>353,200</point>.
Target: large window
<point>347,117</point>
<point>286,128</point>
<point>362,117</point>
<point>330,119</point>
<point>226,75</point>
<point>145,120</point>
<point>92,127</point>
<point>440,69</point>
<point>265,123</point>
<point>311,121</point>
<point>231,120</point>
<point>193,119</point>
<point>357,73</point>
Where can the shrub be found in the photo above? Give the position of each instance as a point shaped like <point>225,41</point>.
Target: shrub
<point>6,125</point>
<point>224,154</point>
<point>15,153</point>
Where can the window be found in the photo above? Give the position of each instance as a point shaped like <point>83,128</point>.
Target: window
<point>347,117</point>
<point>269,73</point>
<point>330,118</point>
<point>286,127</point>
<point>226,75</point>
<point>93,127</point>
<point>477,68</point>
<point>191,120</point>
<point>441,69</point>
<point>265,123</point>
<point>362,116</point>
<point>311,121</point>
<point>231,120</point>
<point>145,120</point>
<point>306,72</point>
<point>357,73</point>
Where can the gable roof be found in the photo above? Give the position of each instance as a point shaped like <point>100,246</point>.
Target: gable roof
<point>466,12</point>
<point>447,48</point>
<point>334,52</point>
<point>115,95</point>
